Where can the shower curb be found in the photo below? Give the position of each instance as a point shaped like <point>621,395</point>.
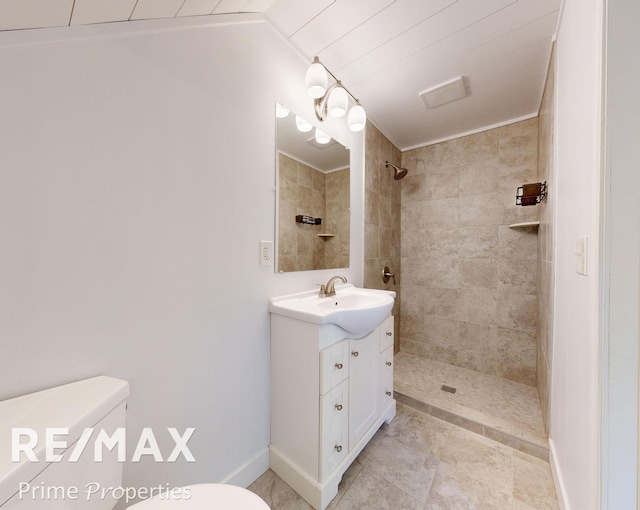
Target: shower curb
<point>492,433</point>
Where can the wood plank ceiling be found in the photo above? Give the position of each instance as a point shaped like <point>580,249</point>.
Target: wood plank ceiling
<point>385,51</point>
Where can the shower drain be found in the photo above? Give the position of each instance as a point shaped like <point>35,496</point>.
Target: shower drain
<point>448,389</point>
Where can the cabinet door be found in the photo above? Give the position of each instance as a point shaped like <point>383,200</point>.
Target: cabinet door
<point>363,384</point>
<point>385,394</point>
<point>334,428</point>
<point>334,366</point>
<point>386,333</point>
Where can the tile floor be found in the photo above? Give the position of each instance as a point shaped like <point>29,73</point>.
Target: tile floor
<point>503,410</point>
<point>419,462</point>
<point>439,453</point>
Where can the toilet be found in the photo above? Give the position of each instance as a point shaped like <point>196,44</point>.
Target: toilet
<point>98,403</point>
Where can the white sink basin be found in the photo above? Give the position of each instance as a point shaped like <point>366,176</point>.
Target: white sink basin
<point>354,309</point>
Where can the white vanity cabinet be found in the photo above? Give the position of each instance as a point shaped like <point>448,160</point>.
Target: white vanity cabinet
<point>330,393</point>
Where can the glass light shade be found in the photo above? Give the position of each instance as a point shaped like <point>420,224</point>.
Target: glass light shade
<point>316,80</point>
<point>357,118</point>
<point>304,126</point>
<point>281,111</point>
<point>322,137</point>
<point>338,102</point>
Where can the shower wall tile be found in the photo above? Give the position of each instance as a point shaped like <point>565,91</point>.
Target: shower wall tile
<point>517,243</point>
<point>383,215</point>
<point>479,306</point>
<point>484,209</point>
<point>518,276</point>
<point>546,172</point>
<point>476,272</point>
<point>413,243</point>
<point>481,340</point>
<point>478,180</point>
<point>440,273</point>
<point>442,182</point>
<point>519,163</point>
<point>478,242</point>
<point>413,216</point>
<point>519,137</point>
<point>443,212</point>
<point>517,311</point>
<point>517,355</point>
<point>412,326</point>
<point>414,298</point>
<point>414,187</point>
<point>372,208</point>
<point>441,242</point>
<point>441,302</point>
<point>441,332</point>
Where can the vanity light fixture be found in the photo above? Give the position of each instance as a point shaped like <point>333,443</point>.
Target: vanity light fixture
<point>332,100</point>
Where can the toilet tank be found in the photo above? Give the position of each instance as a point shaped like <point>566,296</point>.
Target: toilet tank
<point>43,482</point>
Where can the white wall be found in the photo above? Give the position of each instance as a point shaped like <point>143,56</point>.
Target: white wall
<point>136,180</point>
<point>574,386</point>
<point>622,258</point>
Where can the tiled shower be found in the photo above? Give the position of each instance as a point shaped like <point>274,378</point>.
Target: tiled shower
<point>469,279</point>
<point>473,288</point>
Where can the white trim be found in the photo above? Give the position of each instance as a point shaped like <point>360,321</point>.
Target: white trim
<point>472,132</point>
<point>248,473</point>
<point>561,492</point>
<point>103,31</point>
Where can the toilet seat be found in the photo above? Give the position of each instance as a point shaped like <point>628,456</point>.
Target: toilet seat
<point>207,496</point>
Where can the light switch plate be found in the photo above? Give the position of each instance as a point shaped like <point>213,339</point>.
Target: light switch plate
<point>582,249</point>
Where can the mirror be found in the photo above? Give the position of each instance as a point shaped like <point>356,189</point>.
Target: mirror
<point>313,201</point>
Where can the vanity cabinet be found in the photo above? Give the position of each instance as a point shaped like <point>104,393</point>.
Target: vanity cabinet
<point>330,393</point>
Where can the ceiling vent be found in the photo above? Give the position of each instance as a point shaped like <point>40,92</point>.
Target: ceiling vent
<point>444,93</point>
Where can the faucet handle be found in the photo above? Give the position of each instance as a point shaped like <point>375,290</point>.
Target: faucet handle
<point>386,274</point>
<point>322,289</point>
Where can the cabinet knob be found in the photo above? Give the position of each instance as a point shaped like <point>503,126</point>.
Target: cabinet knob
<point>388,363</point>
<point>339,407</point>
<point>355,354</point>
<point>339,366</point>
<point>389,333</point>
<point>388,393</point>
<point>338,448</point>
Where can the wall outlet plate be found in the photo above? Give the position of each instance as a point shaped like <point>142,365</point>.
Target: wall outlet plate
<point>266,253</point>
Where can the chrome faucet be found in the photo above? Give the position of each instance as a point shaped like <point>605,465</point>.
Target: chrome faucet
<point>329,289</point>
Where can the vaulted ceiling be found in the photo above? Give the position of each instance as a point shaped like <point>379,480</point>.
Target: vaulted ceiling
<point>386,52</point>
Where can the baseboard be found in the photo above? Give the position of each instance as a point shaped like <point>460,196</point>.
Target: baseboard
<point>248,473</point>
<point>557,478</point>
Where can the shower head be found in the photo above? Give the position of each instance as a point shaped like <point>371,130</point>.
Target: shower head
<point>399,172</point>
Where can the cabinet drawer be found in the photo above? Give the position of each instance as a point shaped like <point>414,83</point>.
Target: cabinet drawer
<point>334,366</point>
<point>334,428</point>
<point>386,377</point>
<point>386,334</point>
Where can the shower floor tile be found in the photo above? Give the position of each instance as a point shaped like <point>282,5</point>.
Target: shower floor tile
<point>505,411</point>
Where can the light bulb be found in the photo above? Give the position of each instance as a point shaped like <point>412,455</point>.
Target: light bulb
<point>322,137</point>
<point>338,102</point>
<point>304,126</point>
<point>316,79</point>
<point>357,118</point>
<point>281,111</point>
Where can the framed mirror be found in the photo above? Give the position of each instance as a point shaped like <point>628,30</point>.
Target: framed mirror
<point>313,199</point>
